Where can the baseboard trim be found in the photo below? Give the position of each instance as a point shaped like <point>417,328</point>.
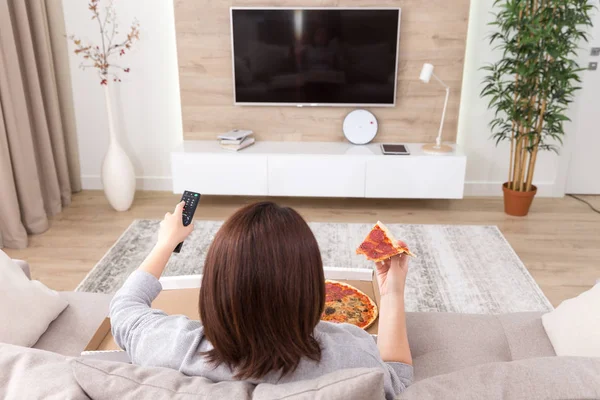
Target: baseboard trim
<point>160,183</point>
<point>472,189</point>
<point>490,189</point>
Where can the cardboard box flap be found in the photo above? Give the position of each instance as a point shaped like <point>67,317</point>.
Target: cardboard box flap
<point>96,340</point>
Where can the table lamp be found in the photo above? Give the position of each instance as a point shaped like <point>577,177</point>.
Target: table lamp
<point>437,147</point>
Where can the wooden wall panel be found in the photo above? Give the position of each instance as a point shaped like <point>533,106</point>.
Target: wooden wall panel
<point>431,31</point>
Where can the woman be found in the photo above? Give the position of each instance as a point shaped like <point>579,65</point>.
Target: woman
<point>261,299</point>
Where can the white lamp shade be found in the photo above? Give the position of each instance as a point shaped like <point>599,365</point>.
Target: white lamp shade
<point>426,72</point>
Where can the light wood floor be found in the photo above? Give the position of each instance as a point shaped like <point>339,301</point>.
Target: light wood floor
<point>559,241</point>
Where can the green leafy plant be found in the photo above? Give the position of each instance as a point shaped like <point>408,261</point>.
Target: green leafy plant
<point>531,86</point>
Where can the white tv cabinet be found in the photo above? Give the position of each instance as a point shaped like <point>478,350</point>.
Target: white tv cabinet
<point>316,169</point>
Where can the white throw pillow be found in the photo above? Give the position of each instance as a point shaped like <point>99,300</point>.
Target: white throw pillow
<point>574,326</point>
<point>26,307</point>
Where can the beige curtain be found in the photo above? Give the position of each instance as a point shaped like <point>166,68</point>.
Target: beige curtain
<point>39,166</point>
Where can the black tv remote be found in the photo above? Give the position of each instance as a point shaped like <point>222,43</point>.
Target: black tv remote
<point>191,202</point>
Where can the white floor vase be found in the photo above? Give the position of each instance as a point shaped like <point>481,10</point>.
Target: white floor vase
<point>118,175</point>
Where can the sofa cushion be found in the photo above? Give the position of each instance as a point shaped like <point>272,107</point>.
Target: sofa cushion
<point>445,342</point>
<point>24,265</point>
<point>546,378</point>
<point>112,380</point>
<point>35,374</point>
<point>574,327</point>
<point>26,307</point>
<point>350,384</point>
<point>75,326</point>
<point>525,335</point>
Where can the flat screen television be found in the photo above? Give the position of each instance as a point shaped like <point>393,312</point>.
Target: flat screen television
<point>315,56</point>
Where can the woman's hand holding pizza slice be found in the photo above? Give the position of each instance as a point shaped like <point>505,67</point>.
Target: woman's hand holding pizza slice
<point>391,259</point>
<point>391,274</point>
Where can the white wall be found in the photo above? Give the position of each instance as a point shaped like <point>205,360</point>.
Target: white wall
<point>582,177</point>
<point>487,165</point>
<point>146,103</point>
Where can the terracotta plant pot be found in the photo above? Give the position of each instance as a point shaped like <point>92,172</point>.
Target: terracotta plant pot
<point>517,203</point>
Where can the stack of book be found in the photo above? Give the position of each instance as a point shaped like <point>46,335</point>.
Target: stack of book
<point>236,140</point>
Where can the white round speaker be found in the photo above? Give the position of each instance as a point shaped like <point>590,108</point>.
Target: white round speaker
<point>360,127</point>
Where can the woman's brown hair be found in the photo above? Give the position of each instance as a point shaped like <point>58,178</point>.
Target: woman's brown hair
<point>263,292</point>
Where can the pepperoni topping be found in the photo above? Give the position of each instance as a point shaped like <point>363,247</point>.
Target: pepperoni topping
<point>332,292</point>
<point>366,246</point>
<point>377,235</point>
<point>332,296</point>
<point>385,248</point>
<point>374,254</point>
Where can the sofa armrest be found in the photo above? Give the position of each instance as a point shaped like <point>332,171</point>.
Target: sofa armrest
<point>24,265</point>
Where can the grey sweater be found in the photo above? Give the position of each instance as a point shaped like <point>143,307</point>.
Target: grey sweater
<point>153,338</point>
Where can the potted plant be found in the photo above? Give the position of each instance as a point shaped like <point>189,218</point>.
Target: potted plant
<point>118,176</point>
<point>531,86</point>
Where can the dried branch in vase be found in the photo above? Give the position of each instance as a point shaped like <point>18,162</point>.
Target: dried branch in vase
<point>103,56</point>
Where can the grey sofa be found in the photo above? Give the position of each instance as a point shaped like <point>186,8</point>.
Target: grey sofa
<point>455,357</point>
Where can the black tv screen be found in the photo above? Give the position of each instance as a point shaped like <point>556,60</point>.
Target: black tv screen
<point>315,56</point>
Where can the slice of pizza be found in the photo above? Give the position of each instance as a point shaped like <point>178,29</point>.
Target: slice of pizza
<point>380,244</point>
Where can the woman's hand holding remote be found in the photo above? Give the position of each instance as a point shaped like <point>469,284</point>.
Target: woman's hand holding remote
<point>171,233</point>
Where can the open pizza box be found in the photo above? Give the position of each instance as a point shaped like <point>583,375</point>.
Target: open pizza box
<point>180,296</point>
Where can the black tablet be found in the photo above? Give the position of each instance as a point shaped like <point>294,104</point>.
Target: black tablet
<point>394,149</point>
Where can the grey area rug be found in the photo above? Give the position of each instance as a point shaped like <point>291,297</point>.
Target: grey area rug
<point>466,269</point>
